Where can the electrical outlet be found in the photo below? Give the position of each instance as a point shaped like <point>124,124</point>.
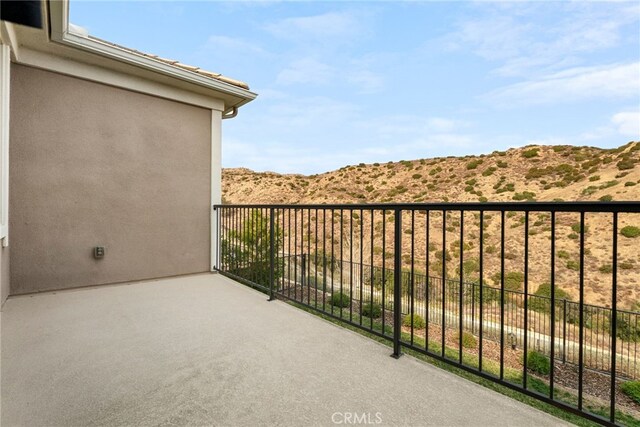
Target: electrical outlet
<point>98,252</point>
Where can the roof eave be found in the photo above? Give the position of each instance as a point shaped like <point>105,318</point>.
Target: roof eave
<point>59,26</point>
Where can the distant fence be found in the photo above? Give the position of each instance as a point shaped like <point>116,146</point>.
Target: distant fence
<point>355,279</point>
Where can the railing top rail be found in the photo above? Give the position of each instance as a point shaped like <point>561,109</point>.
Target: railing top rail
<point>581,206</point>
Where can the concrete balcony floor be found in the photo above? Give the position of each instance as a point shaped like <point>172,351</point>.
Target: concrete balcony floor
<point>205,350</point>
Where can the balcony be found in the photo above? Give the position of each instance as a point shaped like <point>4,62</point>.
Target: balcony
<point>203,350</point>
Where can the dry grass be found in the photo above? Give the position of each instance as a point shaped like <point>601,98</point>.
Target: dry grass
<point>555,173</point>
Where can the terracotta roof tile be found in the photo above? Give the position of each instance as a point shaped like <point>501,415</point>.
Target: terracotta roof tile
<point>177,64</point>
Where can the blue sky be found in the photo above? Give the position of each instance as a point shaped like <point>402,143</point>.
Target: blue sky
<point>347,82</point>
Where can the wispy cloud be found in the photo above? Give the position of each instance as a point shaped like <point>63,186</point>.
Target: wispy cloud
<point>238,45</point>
<point>305,71</point>
<point>521,43</point>
<point>366,80</point>
<point>331,25</point>
<point>610,81</point>
<point>627,123</point>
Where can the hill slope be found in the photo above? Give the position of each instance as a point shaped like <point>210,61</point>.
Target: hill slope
<point>550,172</point>
<point>542,173</point>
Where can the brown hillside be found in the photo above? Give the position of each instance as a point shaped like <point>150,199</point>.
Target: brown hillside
<point>542,173</point>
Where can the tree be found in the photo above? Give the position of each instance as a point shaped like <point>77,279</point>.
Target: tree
<point>246,250</point>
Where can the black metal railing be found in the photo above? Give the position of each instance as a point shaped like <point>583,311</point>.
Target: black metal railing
<point>417,275</point>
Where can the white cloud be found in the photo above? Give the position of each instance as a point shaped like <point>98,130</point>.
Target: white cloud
<point>367,81</point>
<point>328,25</point>
<point>620,81</point>
<point>627,123</point>
<point>238,45</point>
<point>305,71</point>
<point>493,39</point>
<point>519,38</point>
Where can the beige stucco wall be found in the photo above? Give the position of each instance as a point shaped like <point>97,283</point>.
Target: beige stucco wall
<point>97,165</point>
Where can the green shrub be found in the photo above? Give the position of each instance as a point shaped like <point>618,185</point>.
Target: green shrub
<point>626,265</point>
<point>626,163</point>
<point>525,195</point>
<point>418,321</point>
<point>594,178</point>
<point>605,268</point>
<point>340,299</point>
<point>527,154</point>
<point>576,227</point>
<point>447,255</point>
<point>630,231</point>
<point>538,363</point>
<point>489,171</point>
<point>468,340</point>
<point>502,164</point>
<point>573,265</point>
<point>371,310</point>
<point>629,184</point>
<point>606,198</point>
<point>631,389</point>
<point>563,254</point>
<point>626,329</point>
<point>541,298</point>
<point>513,280</point>
<point>473,164</point>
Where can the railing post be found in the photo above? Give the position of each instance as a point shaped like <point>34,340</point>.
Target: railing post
<point>564,330</point>
<point>272,255</point>
<point>473,308</point>
<point>397,284</point>
<point>303,273</point>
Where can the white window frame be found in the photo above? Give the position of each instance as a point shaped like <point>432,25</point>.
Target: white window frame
<point>5,77</point>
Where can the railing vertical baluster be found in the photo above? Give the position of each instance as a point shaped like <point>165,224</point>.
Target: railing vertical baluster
<point>444,279</point>
<point>397,283</point>
<point>384,268</point>
<point>332,258</point>
<point>361,258</point>
<point>272,251</point>
<point>581,314</point>
<point>289,252</point>
<point>309,257</point>
<point>502,248</point>
<point>614,316</point>
<point>341,257</point>
<point>412,275</point>
<point>526,298</point>
<point>351,265</point>
<point>315,270</point>
<point>460,289</point>
<point>218,227</point>
<point>564,330</point>
<point>481,290</point>
<point>324,259</point>
<point>371,272</point>
<point>295,254</point>
<point>426,280</point>
<point>553,304</point>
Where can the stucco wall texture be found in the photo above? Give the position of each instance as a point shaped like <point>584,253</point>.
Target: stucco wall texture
<point>93,165</point>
